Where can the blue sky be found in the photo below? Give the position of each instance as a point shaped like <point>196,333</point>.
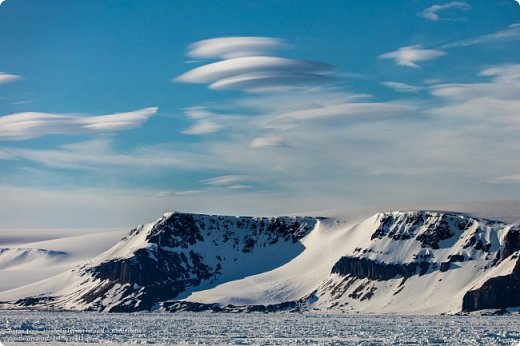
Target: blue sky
<point>112,112</point>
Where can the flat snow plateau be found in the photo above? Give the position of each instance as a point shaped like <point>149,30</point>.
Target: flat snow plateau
<point>80,328</point>
<point>31,255</point>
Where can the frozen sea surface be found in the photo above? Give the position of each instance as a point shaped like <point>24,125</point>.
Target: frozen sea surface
<point>80,328</point>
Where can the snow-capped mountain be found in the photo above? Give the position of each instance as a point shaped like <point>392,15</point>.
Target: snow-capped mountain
<point>405,262</point>
<point>426,261</point>
<point>173,256</point>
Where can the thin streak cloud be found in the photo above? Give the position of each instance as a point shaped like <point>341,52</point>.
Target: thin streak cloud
<point>350,111</point>
<point>432,12</point>
<point>402,87</point>
<point>510,34</point>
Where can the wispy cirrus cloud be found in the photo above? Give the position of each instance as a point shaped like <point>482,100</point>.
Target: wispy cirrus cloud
<point>8,78</point>
<point>494,101</point>
<point>402,87</point>
<point>101,155</point>
<point>28,125</point>
<point>365,111</point>
<point>432,12</point>
<point>410,55</point>
<point>509,34</point>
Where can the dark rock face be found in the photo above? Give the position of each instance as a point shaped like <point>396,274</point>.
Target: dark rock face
<point>179,230</point>
<point>445,266</point>
<point>501,291</point>
<point>165,275</point>
<point>497,293</point>
<point>32,301</point>
<point>511,242</point>
<point>289,306</point>
<point>408,225</point>
<point>367,268</point>
<point>169,263</point>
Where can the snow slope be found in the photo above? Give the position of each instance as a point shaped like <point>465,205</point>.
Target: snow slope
<point>28,256</point>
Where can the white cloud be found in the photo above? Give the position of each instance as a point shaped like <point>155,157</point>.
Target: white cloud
<point>402,87</point>
<point>29,125</point>
<point>239,187</point>
<point>504,84</point>
<point>508,179</point>
<point>225,180</point>
<point>245,67</point>
<point>243,72</point>
<point>233,47</point>
<point>431,13</point>
<point>511,33</point>
<point>189,192</point>
<point>264,79</point>
<point>202,127</point>
<point>8,78</point>
<point>349,111</point>
<point>491,102</point>
<point>268,142</point>
<point>232,182</point>
<point>410,55</point>
<point>205,121</point>
<point>100,156</point>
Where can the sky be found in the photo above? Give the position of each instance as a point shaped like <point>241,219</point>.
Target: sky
<point>113,112</point>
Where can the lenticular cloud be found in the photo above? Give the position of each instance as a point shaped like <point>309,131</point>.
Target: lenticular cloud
<point>30,125</point>
<point>234,47</point>
<point>246,65</point>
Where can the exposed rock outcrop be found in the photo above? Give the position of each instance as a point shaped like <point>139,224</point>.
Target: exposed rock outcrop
<point>496,293</point>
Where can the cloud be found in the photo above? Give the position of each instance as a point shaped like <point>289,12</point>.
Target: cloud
<point>511,33</point>
<point>100,156</point>
<point>244,68</point>
<point>264,79</point>
<point>431,13</point>
<point>491,102</point>
<point>203,122</point>
<point>234,182</point>
<point>168,193</point>
<point>29,125</point>
<point>504,84</point>
<point>216,73</point>
<point>233,47</point>
<point>202,127</point>
<point>508,179</point>
<point>402,87</point>
<point>348,111</point>
<point>8,78</point>
<point>268,142</point>
<point>410,55</point>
